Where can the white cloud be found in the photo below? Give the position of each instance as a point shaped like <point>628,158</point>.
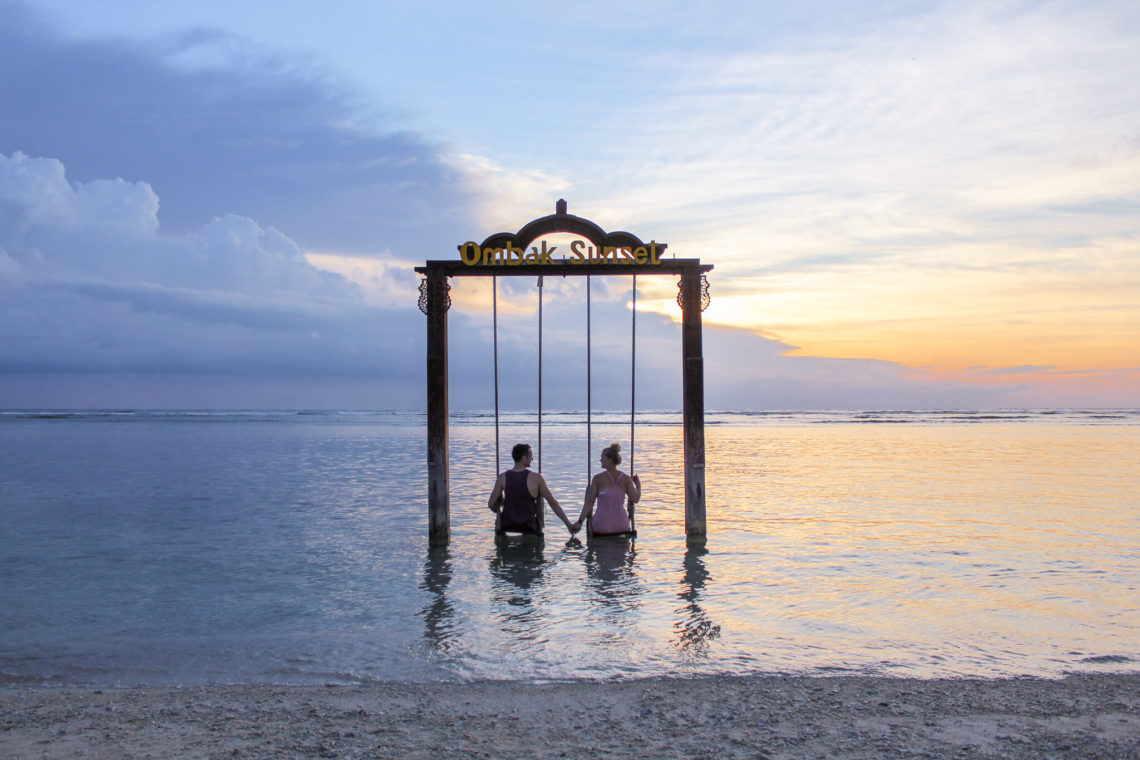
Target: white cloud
<point>891,133</point>
<point>237,300</point>
<point>268,137</point>
<point>108,229</point>
<point>503,196</point>
<point>831,166</point>
<point>95,285</point>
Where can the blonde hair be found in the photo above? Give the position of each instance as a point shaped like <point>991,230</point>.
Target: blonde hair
<point>613,451</point>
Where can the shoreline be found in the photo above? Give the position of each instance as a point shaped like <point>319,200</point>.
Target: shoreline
<point>1079,716</point>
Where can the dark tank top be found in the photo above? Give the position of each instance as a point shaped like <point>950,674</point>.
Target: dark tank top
<point>520,509</point>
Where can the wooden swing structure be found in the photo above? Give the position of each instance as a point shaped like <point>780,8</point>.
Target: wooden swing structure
<point>615,253</point>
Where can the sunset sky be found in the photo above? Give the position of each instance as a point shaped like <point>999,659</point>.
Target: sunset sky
<point>907,204</point>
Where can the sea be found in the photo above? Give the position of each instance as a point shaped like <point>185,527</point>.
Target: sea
<point>291,547</point>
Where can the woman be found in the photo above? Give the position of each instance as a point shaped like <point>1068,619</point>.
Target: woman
<point>609,489</point>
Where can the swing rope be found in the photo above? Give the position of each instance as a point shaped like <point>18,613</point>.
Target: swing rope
<point>632,386</point>
<point>495,343</point>
<point>589,375</point>
<point>632,373</point>
<point>540,374</point>
<point>495,322</point>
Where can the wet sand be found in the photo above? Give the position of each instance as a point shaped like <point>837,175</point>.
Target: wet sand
<point>1085,716</point>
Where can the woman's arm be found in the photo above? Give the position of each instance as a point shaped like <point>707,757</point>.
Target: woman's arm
<point>588,504</point>
<point>633,488</point>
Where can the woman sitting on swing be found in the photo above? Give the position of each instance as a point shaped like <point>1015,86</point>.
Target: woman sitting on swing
<point>609,489</point>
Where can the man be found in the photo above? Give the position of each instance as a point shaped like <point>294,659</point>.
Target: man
<point>518,489</point>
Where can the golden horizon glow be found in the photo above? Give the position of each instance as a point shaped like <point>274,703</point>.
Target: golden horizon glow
<point>947,324</point>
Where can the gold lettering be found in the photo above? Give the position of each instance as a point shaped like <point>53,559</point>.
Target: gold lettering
<point>471,254</point>
<point>465,252</point>
<point>576,250</point>
<point>547,253</point>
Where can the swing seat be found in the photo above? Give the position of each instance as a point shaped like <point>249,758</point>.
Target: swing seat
<point>515,539</point>
<point>604,536</point>
<point>592,534</point>
<point>510,532</point>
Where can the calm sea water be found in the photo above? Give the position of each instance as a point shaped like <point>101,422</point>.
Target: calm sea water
<point>186,548</point>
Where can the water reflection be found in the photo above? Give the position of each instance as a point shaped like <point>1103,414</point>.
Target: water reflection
<point>438,615</point>
<point>518,571</point>
<point>694,630</point>
<point>610,572</point>
<point>516,566</point>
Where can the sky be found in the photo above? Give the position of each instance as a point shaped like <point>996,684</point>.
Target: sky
<point>906,204</point>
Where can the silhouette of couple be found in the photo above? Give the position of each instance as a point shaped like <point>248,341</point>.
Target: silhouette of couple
<point>516,493</point>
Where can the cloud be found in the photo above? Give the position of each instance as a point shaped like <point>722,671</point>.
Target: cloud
<point>1023,369</point>
<point>109,292</point>
<point>257,160</point>
<point>866,186</point>
<point>824,181</point>
<point>505,196</point>
<point>215,128</point>
<point>133,314</point>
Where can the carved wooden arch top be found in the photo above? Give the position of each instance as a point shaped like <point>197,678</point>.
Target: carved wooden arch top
<point>560,221</point>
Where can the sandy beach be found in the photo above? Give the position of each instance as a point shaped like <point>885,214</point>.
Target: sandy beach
<point>1081,716</point>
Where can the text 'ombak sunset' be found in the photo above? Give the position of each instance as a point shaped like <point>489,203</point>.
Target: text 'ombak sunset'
<point>473,254</point>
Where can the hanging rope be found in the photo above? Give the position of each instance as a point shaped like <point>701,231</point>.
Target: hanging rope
<point>495,322</point>
<point>632,373</point>
<point>589,376</point>
<point>589,399</point>
<point>632,394</point>
<point>589,389</point>
<point>540,374</point>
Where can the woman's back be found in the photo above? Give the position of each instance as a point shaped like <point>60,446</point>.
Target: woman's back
<point>611,515</point>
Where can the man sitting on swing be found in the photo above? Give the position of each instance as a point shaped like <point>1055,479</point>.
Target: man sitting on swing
<point>610,489</point>
<point>515,497</point>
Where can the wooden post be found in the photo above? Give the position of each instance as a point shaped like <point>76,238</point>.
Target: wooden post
<point>439,506</point>
<point>694,406</point>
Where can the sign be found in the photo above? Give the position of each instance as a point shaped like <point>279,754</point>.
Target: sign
<point>472,254</point>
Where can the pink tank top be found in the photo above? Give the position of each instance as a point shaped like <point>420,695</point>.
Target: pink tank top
<point>610,515</point>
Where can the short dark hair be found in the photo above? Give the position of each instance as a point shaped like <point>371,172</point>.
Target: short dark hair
<point>520,450</point>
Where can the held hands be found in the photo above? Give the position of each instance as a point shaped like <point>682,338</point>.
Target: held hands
<point>574,527</point>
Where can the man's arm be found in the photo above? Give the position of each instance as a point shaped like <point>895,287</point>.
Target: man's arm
<point>544,490</point>
<point>496,494</point>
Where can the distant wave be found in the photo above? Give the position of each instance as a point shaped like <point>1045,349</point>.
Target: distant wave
<point>570,417</point>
